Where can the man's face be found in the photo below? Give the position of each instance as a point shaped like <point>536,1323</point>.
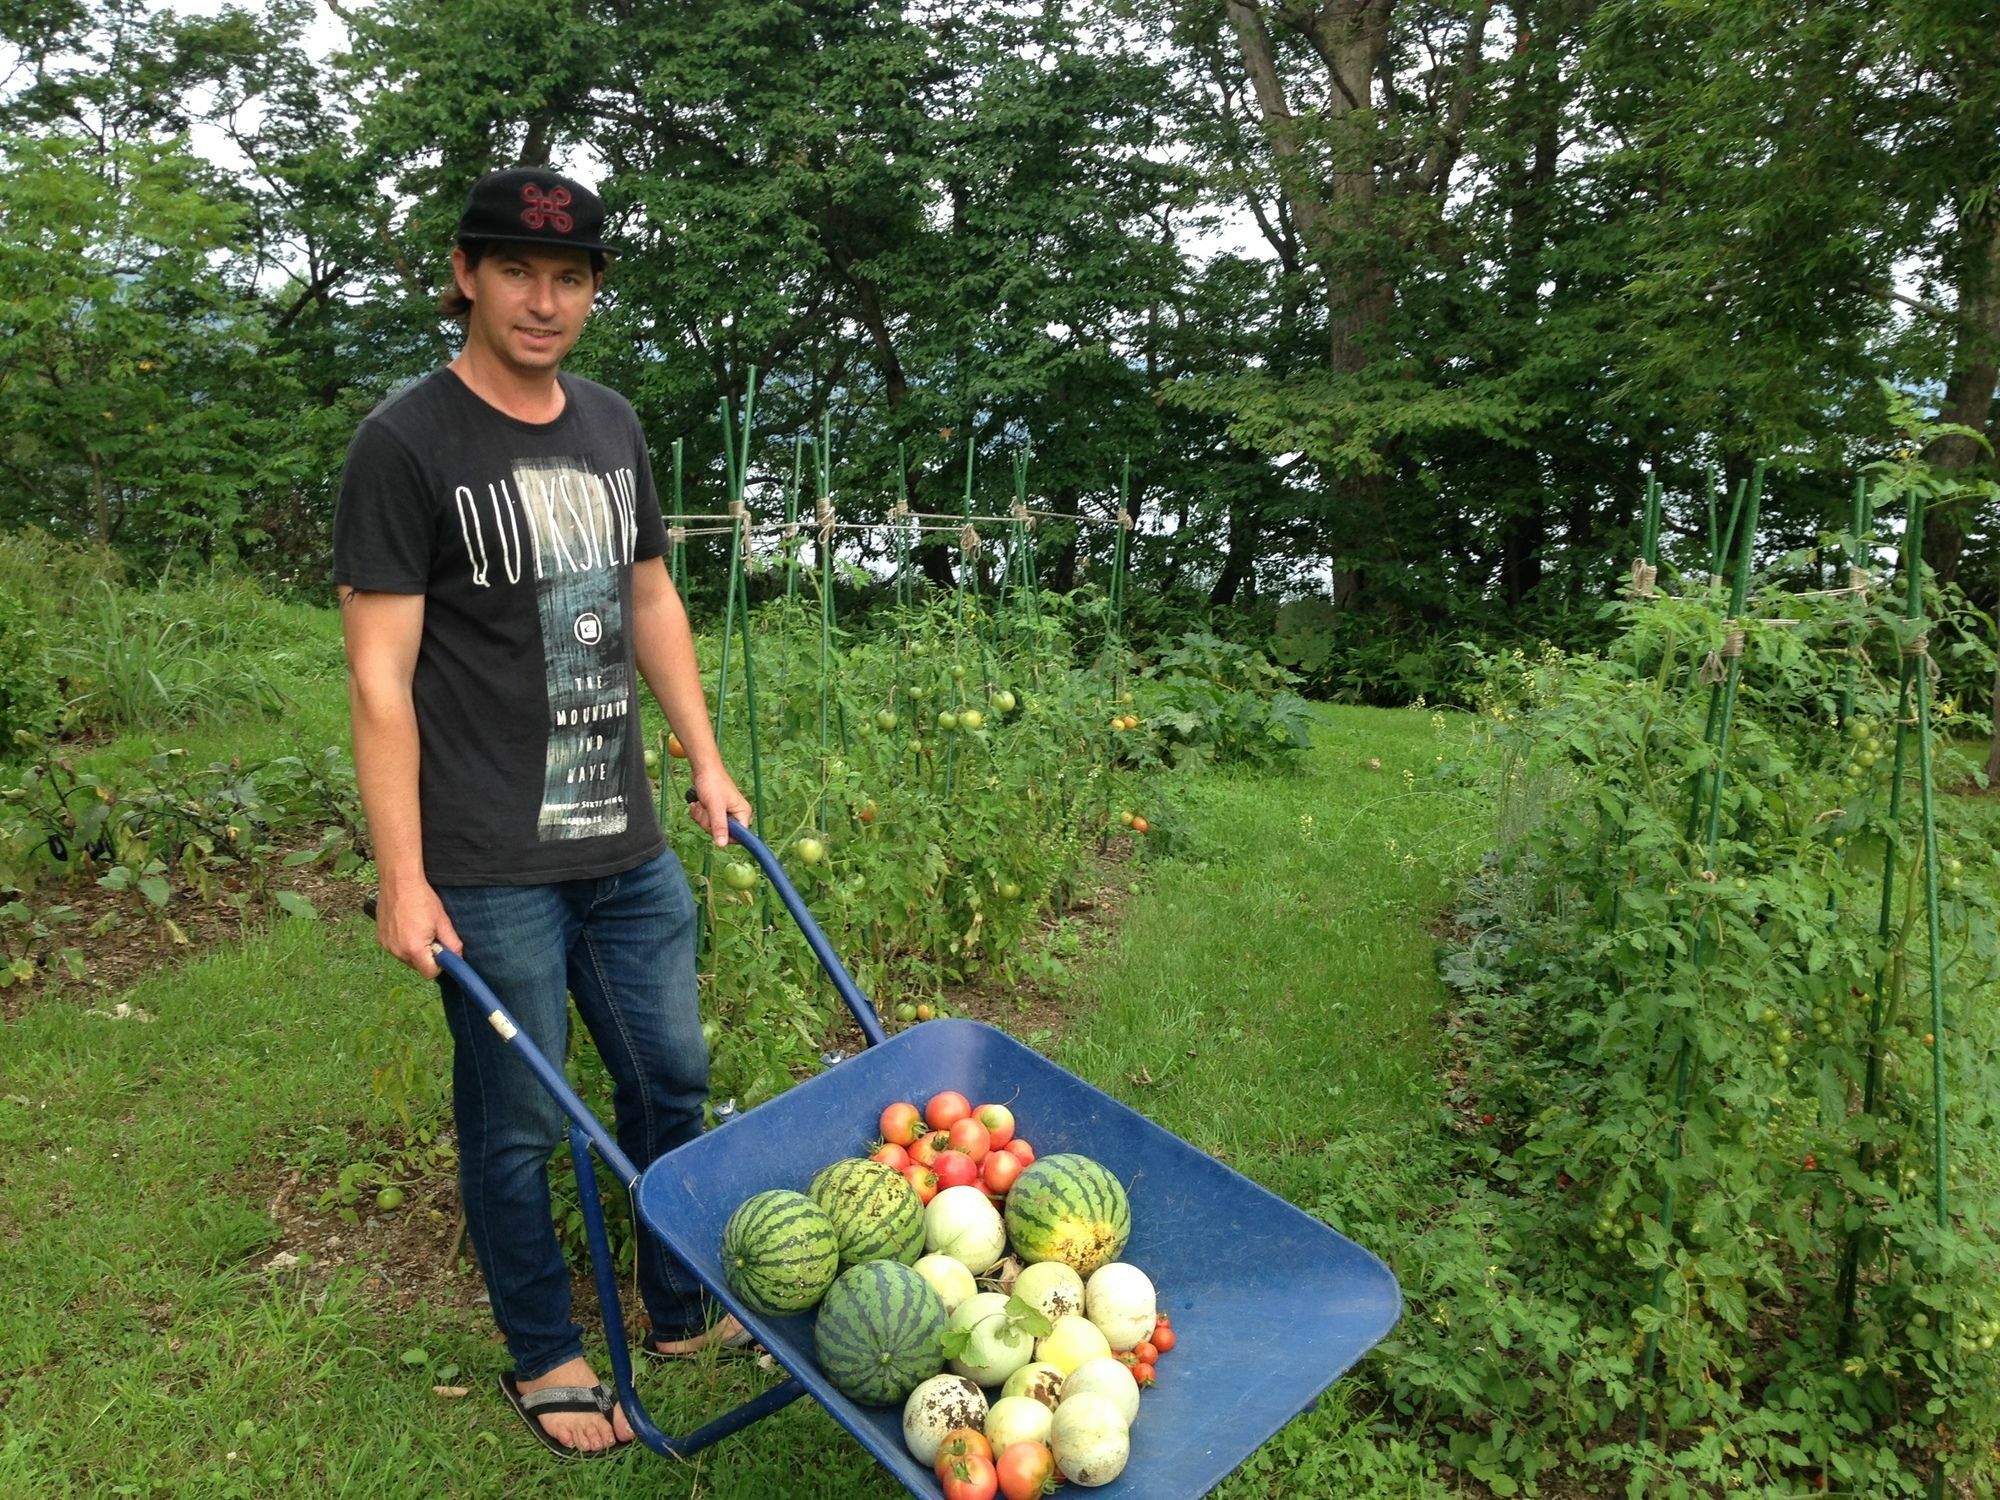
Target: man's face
<point>528,303</point>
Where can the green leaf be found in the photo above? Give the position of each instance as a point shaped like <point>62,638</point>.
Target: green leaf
<point>1028,1319</point>
<point>298,906</point>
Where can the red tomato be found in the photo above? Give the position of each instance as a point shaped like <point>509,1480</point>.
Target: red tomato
<point>1146,1353</point>
<point>901,1124</point>
<point>1145,1375</point>
<point>955,1169</point>
<point>970,1478</point>
<point>969,1136</point>
<point>923,1179</point>
<point>947,1109</point>
<point>892,1155</point>
<point>1001,1168</point>
<point>1163,1336</point>
<point>1020,1148</point>
<point>928,1148</point>
<point>1027,1471</point>
<point>999,1122</point>
<point>960,1444</point>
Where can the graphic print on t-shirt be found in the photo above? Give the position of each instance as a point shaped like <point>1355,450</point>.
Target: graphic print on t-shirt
<point>580,532</point>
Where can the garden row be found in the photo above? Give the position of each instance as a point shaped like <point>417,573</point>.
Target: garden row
<point>1728,1211</point>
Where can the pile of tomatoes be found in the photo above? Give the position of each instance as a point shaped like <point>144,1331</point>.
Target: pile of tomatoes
<point>953,1143</point>
<point>1142,1358</point>
<point>969,1469</point>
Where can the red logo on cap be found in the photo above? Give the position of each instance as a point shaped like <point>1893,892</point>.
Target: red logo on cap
<point>546,208</point>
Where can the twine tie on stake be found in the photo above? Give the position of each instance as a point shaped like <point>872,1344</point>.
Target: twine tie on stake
<point>1712,668</point>
<point>739,515</point>
<point>968,540</point>
<point>1857,581</point>
<point>1918,653</point>
<point>1124,520</point>
<point>1644,577</point>
<point>824,516</point>
<point>677,535</point>
<point>900,511</point>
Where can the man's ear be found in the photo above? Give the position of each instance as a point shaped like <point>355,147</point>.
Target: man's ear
<point>461,273</point>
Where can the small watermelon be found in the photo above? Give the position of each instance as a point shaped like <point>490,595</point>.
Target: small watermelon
<point>875,1212</point>
<point>779,1253</point>
<point>880,1333</point>
<point>1071,1209</point>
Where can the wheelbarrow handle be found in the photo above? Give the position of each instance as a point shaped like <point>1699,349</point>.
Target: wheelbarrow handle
<point>858,1003</point>
<point>547,1073</point>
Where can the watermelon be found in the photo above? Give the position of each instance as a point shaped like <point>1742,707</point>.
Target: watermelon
<point>779,1253</point>
<point>880,1333</point>
<point>875,1212</point>
<point>1068,1208</point>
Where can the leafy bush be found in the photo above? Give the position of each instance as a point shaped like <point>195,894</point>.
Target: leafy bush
<point>1217,701</point>
<point>1699,1184</point>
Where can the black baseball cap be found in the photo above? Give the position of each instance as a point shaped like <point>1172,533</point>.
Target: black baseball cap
<point>534,206</point>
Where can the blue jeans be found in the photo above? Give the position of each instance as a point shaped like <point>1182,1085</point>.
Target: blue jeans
<point>624,946</point>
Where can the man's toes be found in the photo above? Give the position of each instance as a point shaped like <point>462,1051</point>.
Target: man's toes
<point>620,1427</point>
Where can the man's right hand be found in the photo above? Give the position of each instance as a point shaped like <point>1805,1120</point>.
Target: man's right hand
<point>408,921</point>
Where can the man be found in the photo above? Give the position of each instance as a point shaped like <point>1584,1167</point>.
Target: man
<point>497,549</point>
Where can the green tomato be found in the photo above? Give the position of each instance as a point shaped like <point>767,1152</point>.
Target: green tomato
<point>388,1198</point>
<point>739,876</point>
<point>947,719</point>
<point>885,719</point>
<point>1010,890</point>
<point>919,691</point>
<point>810,851</point>
<point>970,718</point>
<point>958,671</point>
<point>1003,701</point>
<point>711,1032</point>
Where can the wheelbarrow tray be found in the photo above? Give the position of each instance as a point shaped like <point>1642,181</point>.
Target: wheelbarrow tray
<point>1270,1305</point>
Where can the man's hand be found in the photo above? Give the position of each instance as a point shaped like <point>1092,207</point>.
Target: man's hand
<point>716,800</point>
<point>408,921</point>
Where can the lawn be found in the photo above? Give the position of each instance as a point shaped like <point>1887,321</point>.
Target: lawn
<point>1268,994</point>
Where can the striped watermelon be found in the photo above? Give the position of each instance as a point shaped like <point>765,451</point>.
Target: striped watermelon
<point>880,1333</point>
<point>779,1253</point>
<point>1068,1208</point>
<point>875,1212</point>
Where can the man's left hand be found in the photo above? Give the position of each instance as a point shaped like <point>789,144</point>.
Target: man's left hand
<point>716,800</point>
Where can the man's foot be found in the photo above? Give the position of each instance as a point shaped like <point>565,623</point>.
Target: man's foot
<point>586,1432</point>
<point>726,1333</point>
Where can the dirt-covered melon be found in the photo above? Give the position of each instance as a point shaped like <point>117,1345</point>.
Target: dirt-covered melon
<point>1068,1208</point>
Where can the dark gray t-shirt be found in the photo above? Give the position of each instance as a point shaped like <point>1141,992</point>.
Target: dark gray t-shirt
<point>521,537</point>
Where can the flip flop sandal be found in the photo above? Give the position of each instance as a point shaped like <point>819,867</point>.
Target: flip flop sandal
<point>549,1400</point>
<point>741,1339</point>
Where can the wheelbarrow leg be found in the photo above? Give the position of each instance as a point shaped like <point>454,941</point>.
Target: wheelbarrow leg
<point>605,1272</point>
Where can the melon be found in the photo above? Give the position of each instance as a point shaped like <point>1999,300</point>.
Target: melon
<point>1051,1289</point>
<point>880,1333</point>
<point>875,1211</point>
<point>936,1409</point>
<point>1068,1208</point>
<point>779,1253</point>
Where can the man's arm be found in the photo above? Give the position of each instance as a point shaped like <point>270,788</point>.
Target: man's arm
<point>383,632</point>
<point>664,647</point>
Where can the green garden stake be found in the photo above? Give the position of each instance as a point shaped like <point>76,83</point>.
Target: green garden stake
<point>675,537</point>
<point>1732,659</point>
<point>792,520</point>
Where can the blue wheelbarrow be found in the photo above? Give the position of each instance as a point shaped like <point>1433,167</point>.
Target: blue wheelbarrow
<point>1271,1306</point>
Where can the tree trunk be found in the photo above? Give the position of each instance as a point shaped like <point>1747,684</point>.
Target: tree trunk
<point>1239,562</point>
<point>1349,37</point>
<point>1968,392</point>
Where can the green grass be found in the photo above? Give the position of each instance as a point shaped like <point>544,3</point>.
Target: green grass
<point>1274,983</point>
